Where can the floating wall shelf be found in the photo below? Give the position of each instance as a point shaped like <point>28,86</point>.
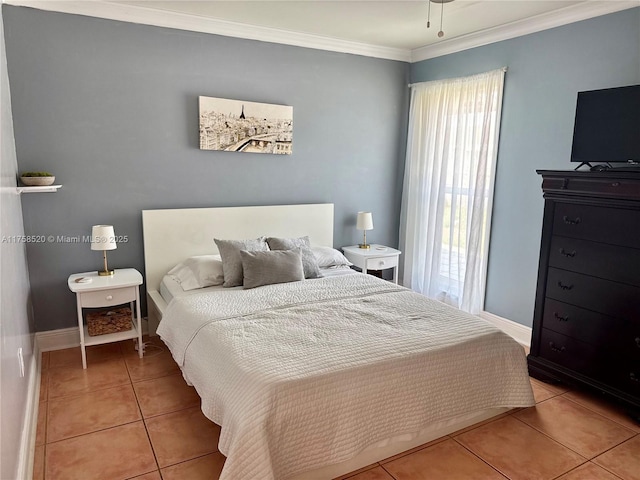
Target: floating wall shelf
<point>47,188</point>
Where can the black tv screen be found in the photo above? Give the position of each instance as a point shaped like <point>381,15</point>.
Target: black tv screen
<point>607,126</point>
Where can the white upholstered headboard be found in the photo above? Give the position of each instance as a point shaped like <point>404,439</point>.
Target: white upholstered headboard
<point>173,235</point>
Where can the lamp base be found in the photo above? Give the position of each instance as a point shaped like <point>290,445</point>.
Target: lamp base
<point>106,273</point>
<point>364,245</point>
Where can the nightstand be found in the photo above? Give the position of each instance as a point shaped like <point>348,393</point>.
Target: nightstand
<point>378,257</point>
<point>108,291</point>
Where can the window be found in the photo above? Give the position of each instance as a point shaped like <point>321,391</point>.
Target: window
<point>448,187</point>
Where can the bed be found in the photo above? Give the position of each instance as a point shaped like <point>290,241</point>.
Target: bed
<point>316,378</point>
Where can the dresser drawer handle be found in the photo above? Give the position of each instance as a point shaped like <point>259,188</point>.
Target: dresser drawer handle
<point>563,286</point>
<point>633,377</point>
<point>567,220</point>
<point>109,297</point>
<point>615,184</point>
<point>560,317</point>
<point>564,253</point>
<point>553,347</point>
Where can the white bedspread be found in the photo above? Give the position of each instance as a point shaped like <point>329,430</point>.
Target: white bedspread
<point>307,374</point>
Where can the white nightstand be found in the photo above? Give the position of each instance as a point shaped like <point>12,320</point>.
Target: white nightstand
<point>378,257</point>
<point>107,291</point>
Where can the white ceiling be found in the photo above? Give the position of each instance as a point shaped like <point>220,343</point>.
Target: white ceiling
<point>397,24</point>
<point>394,29</point>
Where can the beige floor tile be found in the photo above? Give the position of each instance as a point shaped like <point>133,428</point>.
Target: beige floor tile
<point>44,386</point>
<point>164,395</point>
<point>574,426</point>
<point>355,472</point>
<point>89,412</point>
<point>180,436</point>
<point>38,463</point>
<point>150,476</point>
<point>484,422</point>
<point>74,379</point>
<point>624,460</point>
<point>446,459</point>
<point>605,407</point>
<point>120,452</point>
<point>415,449</point>
<point>41,428</point>
<point>519,451</point>
<point>154,345</point>
<point>588,471</point>
<point>541,393</point>
<point>73,356</point>
<point>44,363</point>
<point>152,365</point>
<point>556,388</point>
<point>64,357</point>
<point>376,473</point>
<point>201,468</point>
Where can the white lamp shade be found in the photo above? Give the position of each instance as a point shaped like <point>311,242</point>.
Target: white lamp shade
<point>364,221</point>
<point>103,238</point>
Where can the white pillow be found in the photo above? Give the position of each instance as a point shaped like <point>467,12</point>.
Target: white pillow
<point>328,257</point>
<point>198,272</point>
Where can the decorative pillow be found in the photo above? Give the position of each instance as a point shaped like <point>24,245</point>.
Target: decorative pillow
<point>266,268</point>
<point>231,262</point>
<point>309,263</point>
<point>328,257</point>
<point>198,272</point>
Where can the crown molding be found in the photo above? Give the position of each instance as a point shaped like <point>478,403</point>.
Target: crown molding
<point>538,23</point>
<point>196,23</point>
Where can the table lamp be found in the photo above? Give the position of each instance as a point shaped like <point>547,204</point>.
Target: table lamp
<point>364,223</point>
<point>103,238</point>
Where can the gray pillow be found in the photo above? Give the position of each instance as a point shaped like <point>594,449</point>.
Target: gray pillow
<point>309,262</point>
<point>230,254</point>
<point>266,268</point>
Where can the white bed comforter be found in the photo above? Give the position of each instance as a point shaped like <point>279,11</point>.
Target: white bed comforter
<point>307,374</point>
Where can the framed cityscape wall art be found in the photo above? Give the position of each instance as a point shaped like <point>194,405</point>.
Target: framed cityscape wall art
<point>237,126</point>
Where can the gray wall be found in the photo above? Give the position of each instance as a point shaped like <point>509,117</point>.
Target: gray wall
<point>546,70</point>
<point>111,108</point>
<point>16,323</point>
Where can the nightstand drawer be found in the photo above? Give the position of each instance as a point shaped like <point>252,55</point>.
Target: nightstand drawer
<point>105,298</point>
<point>380,263</point>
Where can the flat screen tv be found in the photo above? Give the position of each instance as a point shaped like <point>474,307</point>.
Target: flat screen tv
<point>607,126</point>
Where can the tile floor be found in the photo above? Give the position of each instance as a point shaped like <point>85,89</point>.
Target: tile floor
<point>126,417</point>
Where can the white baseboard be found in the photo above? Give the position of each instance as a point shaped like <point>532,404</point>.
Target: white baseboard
<point>521,333</point>
<point>66,338</point>
<point>30,425</point>
<point>58,339</point>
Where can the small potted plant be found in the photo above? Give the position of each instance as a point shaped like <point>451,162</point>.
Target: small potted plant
<point>39,179</point>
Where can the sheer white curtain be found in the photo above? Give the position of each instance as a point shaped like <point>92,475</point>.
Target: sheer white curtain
<point>448,187</point>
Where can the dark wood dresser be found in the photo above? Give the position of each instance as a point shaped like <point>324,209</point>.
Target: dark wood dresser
<point>586,326</point>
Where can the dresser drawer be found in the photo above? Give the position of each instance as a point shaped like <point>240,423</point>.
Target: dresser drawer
<point>594,185</point>
<point>106,298</point>
<point>570,353</point>
<point>610,262</point>
<point>624,376</point>
<point>604,296</point>
<point>628,345</point>
<point>585,325</point>
<point>380,263</point>
<point>616,226</point>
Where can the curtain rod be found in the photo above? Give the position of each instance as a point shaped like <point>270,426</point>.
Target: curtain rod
<point>504,69</point>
